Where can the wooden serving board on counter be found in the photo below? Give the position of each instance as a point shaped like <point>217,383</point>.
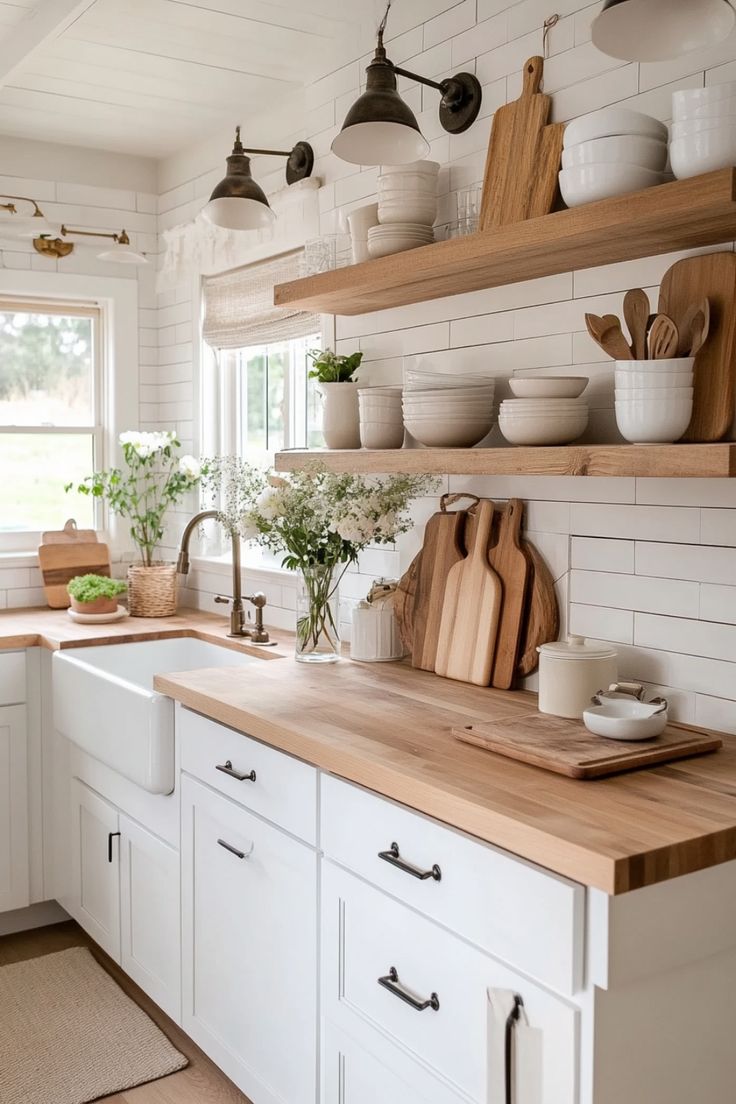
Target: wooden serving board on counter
<point>61,562</point>
<point>566,747</point>
<point>442,549</point>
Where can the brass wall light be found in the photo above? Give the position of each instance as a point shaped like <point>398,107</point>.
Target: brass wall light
<point>121,253</point>
<point>238,202</point>
<point>380,129</point>
<point>36,223</point>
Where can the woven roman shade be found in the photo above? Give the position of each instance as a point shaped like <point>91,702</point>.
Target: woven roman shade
<point>239,310</point>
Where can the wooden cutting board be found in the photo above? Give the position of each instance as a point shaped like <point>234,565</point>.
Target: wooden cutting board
<point>61,562</point>
<point>512,567</point>
<point>404,602</point>
<point>542,616</point>
<point>442,548</point>
<point>523,157</point>
<point>712,277</point>
<point>471,610</point>
<point>566,747</point>
<point>69,535</point>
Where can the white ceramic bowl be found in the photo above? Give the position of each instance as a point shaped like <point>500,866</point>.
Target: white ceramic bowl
<point>626,381</point>
<point>542,430</point>
<point>552,387</point>
<point>632,149</point>
<point>654,394</point>
<point>389,216</point>
<point>386,246</point>
<point>552,405</point>
<point>435,381</point>
<point>381,417</point>
<point>589,183</point>
<point>610,121</point>
<point>379,398</point>
<point>380,435</point>
<point>685,98</point>
<point>427,168</point>
<point>700,126</point>
<point>701,153</point>
<point>656,367</point>
<point>449,394</point>
<point>658,421</point>
<point>440,435</point>
<point>618,719</point>
<point>716,109</point>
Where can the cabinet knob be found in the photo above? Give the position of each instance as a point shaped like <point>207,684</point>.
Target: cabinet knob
<point>391,982</point>
<point>227,768</point>
<point>393,857</point>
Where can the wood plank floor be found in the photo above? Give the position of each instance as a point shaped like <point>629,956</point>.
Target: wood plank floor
<point>200,1083</point>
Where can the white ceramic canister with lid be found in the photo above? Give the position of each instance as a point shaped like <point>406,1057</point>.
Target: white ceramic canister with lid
<point>571,671</point>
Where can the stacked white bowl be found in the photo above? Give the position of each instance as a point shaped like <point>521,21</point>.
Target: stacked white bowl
<point>407,208</point>
<point>703,129</point>
<point>547,410</point>
<point>447,411</point>
<point>611,152</point>
<point>381,417</point>
<point>654,399</point>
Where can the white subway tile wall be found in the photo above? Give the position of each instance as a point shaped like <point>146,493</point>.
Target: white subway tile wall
<point>647,564</point>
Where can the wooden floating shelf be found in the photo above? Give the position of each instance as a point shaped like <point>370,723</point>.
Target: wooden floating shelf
<point>713,461</point>
<point>685,214</point>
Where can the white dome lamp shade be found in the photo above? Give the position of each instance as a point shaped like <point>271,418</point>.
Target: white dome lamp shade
<point>31,225</point>
<point>380,129</point>
<point>238,202</point>
<point>657,30</point>
<point>122,252</point>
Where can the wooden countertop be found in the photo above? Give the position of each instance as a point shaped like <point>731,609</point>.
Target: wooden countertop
<point>387,727</point>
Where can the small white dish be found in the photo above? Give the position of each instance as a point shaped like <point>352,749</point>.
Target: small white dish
<point>686,98</point>
<point>632,149</point>
<point>590,183</point>
<point>548,387</point>
<point>705,152</point>
<point>716,109</point>
<point>612,121</point>
<point>665,367</point>
<point>652,380</point>
<point>98,618</point>
<point>621,719</point>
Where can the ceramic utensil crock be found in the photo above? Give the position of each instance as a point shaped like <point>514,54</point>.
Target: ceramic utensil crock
<point>570,672</point>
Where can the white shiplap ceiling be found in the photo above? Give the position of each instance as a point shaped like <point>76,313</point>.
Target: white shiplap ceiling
<point>149,77</point>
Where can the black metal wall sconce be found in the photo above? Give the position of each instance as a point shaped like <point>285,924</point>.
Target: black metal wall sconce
<point>381,129</point>
<point>238,202</point>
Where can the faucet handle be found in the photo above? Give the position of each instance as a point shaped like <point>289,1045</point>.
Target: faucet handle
<point>222,599</point>
<point>258,599</point>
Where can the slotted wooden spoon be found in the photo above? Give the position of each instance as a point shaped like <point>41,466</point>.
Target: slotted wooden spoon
<point>664,338</point>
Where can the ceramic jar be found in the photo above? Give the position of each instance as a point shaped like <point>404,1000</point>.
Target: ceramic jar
<point>340,416</point>
<point>571,671</point>
<point>375,634</point>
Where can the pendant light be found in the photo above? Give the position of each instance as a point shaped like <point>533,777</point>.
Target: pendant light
<point>381,129</point>
<point>238,202</point>
<point>656,30</point>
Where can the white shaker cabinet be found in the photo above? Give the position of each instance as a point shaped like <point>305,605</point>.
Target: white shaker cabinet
<point>14,834</point>
<point>95,876</point>
<point>249,922</point>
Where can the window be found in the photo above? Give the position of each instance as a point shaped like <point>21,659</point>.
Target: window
<point>50,412</point>
<point>269,402</point>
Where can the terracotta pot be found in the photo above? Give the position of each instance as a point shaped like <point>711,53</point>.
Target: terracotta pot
<point>98,605</point>
<point>152,590</point>
<point>340,415</point>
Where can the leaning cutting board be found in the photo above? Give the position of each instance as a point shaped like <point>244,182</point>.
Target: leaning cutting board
<point>566,747</point>
<point>70,534</point>
<point>711,276</point>
<point>471,610</point>
<point>404,598</point>
<point>507,559</point>
<point>442,548</point>
<point>61,562</point>
<point>542,616</point>
<point>523,157</point>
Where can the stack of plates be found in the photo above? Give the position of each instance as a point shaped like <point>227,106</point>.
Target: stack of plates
<point>395,237</point>
<point>703,129</point>
<point>611,152</point>
<point>444,411</point>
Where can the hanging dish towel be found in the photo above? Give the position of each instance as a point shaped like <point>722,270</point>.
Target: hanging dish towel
<point>514,1052</point>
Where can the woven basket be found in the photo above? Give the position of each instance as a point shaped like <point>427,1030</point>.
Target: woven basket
<point>152,590</point>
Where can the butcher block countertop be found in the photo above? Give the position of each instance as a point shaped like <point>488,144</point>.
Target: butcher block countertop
<point>388,727</point>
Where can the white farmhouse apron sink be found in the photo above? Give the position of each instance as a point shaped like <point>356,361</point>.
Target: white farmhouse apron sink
<point>105,703</point>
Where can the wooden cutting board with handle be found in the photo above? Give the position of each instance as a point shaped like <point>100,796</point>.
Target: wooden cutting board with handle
<point>711,276</point>
<point>471,610</point>
<point>61,562</point>
<point>70,534</point>
<point>542,616</point>
<point>442,548</point>
<point>507,559</point>
<point>523,157</point>
<point>404,602</point>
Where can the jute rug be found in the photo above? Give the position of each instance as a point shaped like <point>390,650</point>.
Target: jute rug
<point>69,1034</point>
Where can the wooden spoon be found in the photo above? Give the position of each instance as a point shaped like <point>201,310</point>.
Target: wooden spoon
<point>607,333</point>
<point>694,329</point>
<point>663,338</point>
<point>636,313</point>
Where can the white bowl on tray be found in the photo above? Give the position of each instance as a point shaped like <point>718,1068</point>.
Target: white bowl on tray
<point>590,183</point>
<point>633,149</point>
<point>611,122</point>
<point>619,719</point>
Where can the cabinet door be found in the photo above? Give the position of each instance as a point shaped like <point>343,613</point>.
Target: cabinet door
<point>95,891</point>
<point>249,922</point>
<point>14,872</point>
<point>150,915</point>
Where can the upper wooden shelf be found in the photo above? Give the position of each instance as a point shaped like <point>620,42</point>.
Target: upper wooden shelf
<point>654,461</point>
<point>685,214</point>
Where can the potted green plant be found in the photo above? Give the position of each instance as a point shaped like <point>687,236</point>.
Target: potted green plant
<point>95,593</point>
<point>154,478</point>
<point>340,418</point>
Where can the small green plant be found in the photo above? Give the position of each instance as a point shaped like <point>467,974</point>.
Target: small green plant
<point>87,588</point>
<point>331,367</point>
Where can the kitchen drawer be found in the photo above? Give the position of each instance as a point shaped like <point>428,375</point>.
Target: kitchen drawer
<point>518,912</point>
<point>366,934</point>
<point>284,790</point>
<point>12,678</point>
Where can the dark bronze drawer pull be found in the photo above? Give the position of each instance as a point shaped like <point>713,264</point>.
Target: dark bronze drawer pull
<point>393,857</point>
<point>511,1020</point>
<point>233,850</point>
<point>391,982</point>
<point>227,768</point>
<point>110,837</point>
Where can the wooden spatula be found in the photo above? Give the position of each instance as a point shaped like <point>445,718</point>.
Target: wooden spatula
<point>512,567</point>
<point>470,611</point>
<point>607,333</point>
<point>636,314</point>
<point>663,338</point>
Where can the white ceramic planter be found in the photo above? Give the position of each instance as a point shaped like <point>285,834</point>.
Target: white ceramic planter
<point>340,416</point>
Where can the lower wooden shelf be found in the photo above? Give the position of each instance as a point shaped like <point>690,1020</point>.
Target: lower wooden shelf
<point>711,461</point>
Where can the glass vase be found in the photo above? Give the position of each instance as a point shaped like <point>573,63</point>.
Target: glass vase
<point>317,615</point>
